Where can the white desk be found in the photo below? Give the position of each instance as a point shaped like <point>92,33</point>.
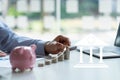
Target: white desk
<point>65,71</point>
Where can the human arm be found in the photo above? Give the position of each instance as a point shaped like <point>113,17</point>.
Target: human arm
<point>9,40</point>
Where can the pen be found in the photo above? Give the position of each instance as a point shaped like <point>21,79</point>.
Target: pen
<point>73,48</point>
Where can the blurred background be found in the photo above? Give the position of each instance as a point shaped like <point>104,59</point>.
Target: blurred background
<point>45,19</point>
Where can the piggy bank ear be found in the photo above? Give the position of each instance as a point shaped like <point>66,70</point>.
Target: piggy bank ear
<point>33,46</point>
<point>19,50</point>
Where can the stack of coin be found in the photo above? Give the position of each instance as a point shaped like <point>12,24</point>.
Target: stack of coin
<point>67,54</point>
<point>61,57</point>
<point>54,59</point>
<point>48,61</point>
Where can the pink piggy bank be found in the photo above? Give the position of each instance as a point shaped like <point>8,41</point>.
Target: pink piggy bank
<point>23,57</point>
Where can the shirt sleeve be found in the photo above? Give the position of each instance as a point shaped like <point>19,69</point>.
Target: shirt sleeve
<point>9,40</point>
<point>25,41</point>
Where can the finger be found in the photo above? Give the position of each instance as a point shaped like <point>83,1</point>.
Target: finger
<point>2,54</point>
<point>60,47</point>
<point>64,40</point>
<point>56,47</point>
<point>60,38</point>
<point>67,42</point>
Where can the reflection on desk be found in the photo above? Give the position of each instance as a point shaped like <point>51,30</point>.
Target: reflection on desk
<point>65,71</point>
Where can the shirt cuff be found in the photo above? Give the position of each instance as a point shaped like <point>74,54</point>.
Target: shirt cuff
<point>40,51</point>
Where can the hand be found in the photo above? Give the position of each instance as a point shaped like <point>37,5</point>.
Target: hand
<point>54,47</point>
<point>63,40</point>
<point>2,54</point>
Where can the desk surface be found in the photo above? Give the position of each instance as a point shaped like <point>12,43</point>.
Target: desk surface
<point>65,71</point>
